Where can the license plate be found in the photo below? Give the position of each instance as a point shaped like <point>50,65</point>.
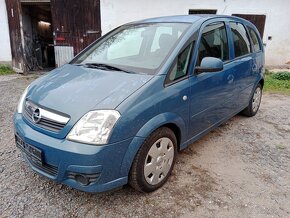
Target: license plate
<point>32,152</point>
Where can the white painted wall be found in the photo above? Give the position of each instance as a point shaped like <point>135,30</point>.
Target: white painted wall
<point>5,52</point>
<point>116,12</point>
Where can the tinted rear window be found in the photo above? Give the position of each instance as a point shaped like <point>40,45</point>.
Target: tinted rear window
<point>240,37</point>
<point>256,45</point>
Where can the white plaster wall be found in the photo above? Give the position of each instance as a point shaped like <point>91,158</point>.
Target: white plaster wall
<point>5,49</point>
<point>117,12</point>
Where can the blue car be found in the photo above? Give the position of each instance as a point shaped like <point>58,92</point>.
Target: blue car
<point>121,110</point>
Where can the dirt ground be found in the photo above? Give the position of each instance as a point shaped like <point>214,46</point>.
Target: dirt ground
<point>242,169</point>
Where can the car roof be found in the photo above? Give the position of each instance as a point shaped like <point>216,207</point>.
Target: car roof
<point>191,19</point>
<point>187,18</point>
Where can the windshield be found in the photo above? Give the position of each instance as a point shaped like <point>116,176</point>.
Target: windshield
<point>136,48</point>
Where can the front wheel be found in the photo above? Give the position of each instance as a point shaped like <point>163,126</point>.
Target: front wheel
<point>254,103</point>
<point>154,161</point>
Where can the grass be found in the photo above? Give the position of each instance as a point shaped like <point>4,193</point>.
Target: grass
<point>5,69</point>
<point>277,82</point>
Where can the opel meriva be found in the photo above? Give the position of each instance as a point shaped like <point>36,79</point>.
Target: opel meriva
<point>121,110</point>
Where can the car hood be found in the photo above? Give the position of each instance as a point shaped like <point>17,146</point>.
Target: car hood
<point>75,90</point>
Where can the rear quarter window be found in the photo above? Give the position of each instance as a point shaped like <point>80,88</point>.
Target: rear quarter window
<point>255,40</point>
<point>241,41</point>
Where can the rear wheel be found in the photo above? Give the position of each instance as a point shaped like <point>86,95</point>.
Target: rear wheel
<point>154,161</point>
<point>254,103</point>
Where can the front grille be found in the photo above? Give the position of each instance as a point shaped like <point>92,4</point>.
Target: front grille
<point>48,169</point>
<point>44,118</point>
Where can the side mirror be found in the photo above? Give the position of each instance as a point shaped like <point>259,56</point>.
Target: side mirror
<point>210,64</point>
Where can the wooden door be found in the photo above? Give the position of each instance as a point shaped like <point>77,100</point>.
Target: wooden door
<point>13,13</point>
<point>257,19</point>
<point>76,24</point>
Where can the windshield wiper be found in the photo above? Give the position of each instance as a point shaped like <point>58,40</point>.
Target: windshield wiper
<point>104,67</point>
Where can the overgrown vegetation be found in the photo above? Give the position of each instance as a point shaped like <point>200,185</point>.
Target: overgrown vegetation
<point>282,76</point>
<point>277,82</point>
<point>5,69</point>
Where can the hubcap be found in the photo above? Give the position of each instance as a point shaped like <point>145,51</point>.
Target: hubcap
<point>158,161</point>
<point>256,99</point>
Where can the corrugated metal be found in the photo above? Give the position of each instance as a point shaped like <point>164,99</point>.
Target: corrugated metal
<point>63,54</point>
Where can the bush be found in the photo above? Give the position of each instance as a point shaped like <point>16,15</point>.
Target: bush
<point>278,82</point>
<point>282,76</point>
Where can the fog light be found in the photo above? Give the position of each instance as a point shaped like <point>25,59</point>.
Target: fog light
<point>82,179</point>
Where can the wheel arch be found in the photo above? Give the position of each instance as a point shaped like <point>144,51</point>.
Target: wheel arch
<point>169,120</point>
<point>262,82</point>
<point>176,130</point>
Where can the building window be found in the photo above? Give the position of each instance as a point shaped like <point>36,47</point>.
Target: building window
<point>202,11</point>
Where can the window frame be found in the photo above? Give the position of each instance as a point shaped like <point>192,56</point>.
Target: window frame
<point>167,81</point>
<point>232,40</point>
<point>130,25</point>
<point>258,38</point>
<point>200,38</point>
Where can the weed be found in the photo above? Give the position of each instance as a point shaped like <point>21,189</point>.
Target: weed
<point>5,69</point>
<point>278,82</point>
<point>282,76</point>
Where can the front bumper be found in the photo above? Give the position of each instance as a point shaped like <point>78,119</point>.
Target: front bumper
<point>64,160</point>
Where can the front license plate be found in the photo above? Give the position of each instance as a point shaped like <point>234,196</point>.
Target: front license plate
<point>32,152</point>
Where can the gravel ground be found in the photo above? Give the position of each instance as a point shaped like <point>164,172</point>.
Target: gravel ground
<point>242,169</point>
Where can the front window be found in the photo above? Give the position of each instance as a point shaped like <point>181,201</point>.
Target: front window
<point>138,48</point>
<point>179,69</point>
<point>214,42</point>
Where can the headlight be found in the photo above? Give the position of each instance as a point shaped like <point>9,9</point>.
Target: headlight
<point>21,101</point>
<point>95,127</point>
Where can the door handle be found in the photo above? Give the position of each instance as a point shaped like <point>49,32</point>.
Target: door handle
<point>230,78</point>
<point>255,67</point>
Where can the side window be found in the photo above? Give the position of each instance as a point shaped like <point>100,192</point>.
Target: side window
<point>214,42</point>
<point>180,68</point>
<point>240,37</point>
<point>255,40</point>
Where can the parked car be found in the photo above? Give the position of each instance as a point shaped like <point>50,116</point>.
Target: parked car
<point>121,110</point>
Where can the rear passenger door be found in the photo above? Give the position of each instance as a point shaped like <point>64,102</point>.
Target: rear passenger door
<point>244,67</point>
<point>257,51</point>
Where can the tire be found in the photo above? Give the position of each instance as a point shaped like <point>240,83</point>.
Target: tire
<point>254,103</point>
<point>154,161</point>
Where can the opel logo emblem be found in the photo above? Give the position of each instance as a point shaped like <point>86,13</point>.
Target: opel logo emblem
<point>36,116</point>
